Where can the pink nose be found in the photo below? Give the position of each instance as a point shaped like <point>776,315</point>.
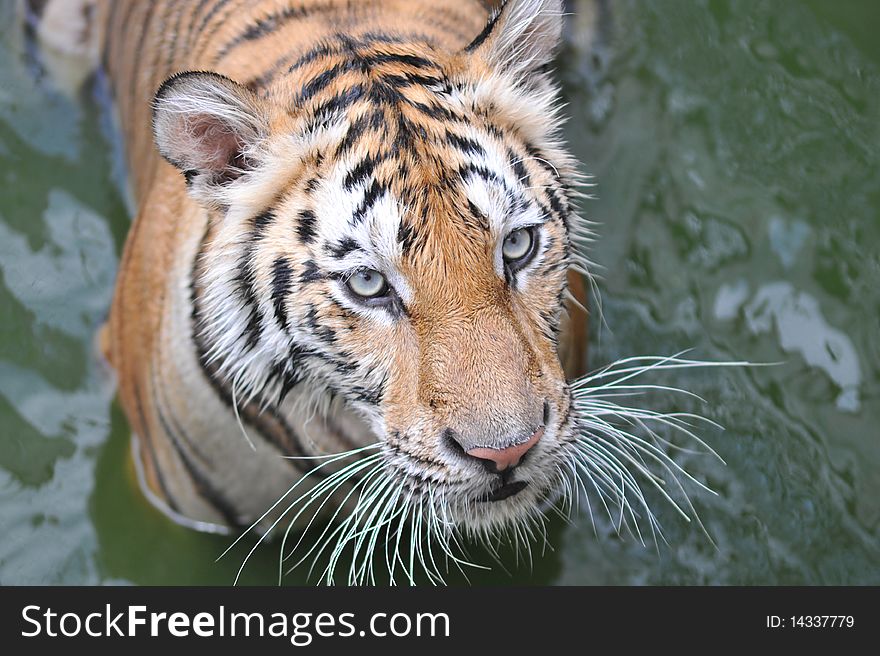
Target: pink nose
<point>509,457</point>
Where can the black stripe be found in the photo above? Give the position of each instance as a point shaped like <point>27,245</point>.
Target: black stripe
<point>519,169</point>
<point>318,52</point>
<point>359,173</point>
<point>373,194</point>
<point>365,64</point>
<point>403,80</point>
<point>134,89</point>
<point>112,33</point>
<point>482,36</point>
<point>123,27</point>
<point>371,38</point>
<point>247,279</point>
<point>253,330</point>
<point>385,94</point>
<point>267,76</point>
<point>147,439</point>
<point>343,45</point>
<point>196,27</point>
<point>321,82</point>
<point>340,101</point>
<point>164,13</point>
<point>546,211</point>
<point>195,14</point>
<point>433,110</point>
<point>177,436</point>
<point>408,133</point>
<point>288,380</point>
<point>217,6</point>
<point>540,160</point>
<point>262,222</point>
<point>343,364</point>
<point>306,226</point>
<point>198,8</point>
<point>471,169</point>
<point>312,318</point>
<point>207,35</point>
<point>399,58</point>
<point>310,272</point>
<point>557,206</point>
<point>282,275</point>
<point>491,128</point>
<point>406,235</point>
<point>370,396</point>
<point>324,333</point>
<point>270,24</point>
<point>481,218</point>
<point>342,248</point>
<point>464,144</point>
<point>172,47</point>
<point>521,202</point>
<point>145,28</point>
<point>354,132</point>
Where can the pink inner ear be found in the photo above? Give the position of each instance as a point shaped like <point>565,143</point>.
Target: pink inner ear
<point>213,142</point>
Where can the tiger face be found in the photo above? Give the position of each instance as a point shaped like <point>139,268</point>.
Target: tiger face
<point>392,226</point>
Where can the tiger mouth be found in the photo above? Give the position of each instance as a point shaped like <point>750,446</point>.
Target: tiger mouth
<point>505,491</point>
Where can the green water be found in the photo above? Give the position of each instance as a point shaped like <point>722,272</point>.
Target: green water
<point>735,149</point>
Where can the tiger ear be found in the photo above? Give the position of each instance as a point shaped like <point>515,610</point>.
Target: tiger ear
<point>208,126</point>
<point>521,36</point>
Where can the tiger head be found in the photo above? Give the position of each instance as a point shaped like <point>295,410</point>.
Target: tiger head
<point>392,225</point>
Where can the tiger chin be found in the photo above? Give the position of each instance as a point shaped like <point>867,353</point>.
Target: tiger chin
<point>353,291</point>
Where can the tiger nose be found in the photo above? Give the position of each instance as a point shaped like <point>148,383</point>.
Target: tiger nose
<point>497,460</point>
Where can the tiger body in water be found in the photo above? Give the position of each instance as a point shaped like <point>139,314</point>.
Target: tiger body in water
<point>356,275</point>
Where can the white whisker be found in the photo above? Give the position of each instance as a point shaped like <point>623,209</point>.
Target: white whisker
<point>616,445</point>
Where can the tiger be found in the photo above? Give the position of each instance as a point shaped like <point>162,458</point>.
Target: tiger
<point>357,273</point>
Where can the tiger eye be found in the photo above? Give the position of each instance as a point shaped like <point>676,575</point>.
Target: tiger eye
<point>517,244</point>
<point>368,283</point>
